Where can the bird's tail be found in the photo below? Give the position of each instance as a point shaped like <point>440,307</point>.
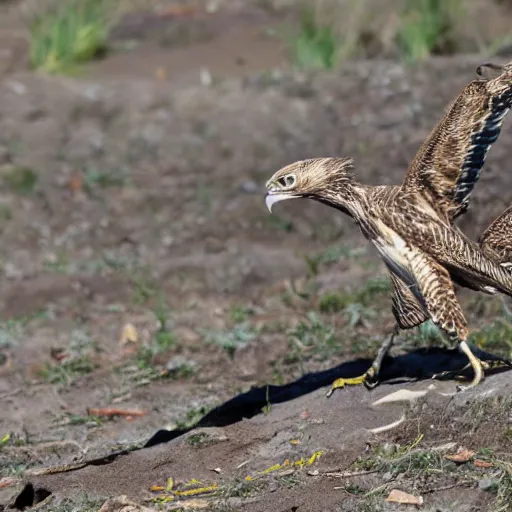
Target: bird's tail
<point>496,240</point>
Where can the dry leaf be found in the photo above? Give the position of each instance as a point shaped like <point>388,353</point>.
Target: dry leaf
<point>397,496</point>
<point>7,481</point>
<point>294,442</point>
<point>76,183</point>
<point>462,455</point>
<point>113,411</point>
<point>128,335</point>
<point>479,463</point>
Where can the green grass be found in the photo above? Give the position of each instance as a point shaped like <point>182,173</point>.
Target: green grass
<point>21,180</point>
<point>495,338</point>
<point>68,371</point>
<point>192,416</point>
<point>504,488</point>
<point>105,178</point>
<point>333,302</point>
<point>197,440</point>
<point>239,313</point>
<point>427,27</point>
<point>78,361</point>
<point>163,340</point>
<point>231,340</point>
<point>73,32</point>
<point>315,45</point>
<point>12,331</point>
<point>313,338</point>
<point>332,255</point>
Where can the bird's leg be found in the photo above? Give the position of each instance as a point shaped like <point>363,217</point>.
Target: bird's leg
<point>371,377</point>
<point>475,363</point>
<point>494,363</point>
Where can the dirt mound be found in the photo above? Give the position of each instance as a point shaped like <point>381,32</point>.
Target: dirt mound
<point>343,432</point>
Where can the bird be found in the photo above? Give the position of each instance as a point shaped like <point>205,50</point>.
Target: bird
<point>412,224</point>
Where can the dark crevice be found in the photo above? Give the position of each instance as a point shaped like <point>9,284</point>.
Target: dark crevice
<point>29,497</point>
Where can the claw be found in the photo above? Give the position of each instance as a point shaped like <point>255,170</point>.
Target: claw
<point>368,379</point>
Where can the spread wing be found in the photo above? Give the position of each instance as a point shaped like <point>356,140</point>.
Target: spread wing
<point>498,237</point>
<point>407,310</point>
<point>447,166</point>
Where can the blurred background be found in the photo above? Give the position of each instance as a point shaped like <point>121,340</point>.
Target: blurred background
<point>139,265</point>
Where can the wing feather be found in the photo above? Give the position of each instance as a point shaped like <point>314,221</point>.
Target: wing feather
<point>447,166</point>
<point>497,238</point>
<point>407,310</point>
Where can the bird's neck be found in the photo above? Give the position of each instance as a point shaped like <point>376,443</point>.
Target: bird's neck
<point>351,198</point>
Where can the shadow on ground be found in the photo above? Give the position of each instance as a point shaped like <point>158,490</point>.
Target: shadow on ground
<point>417,365</point>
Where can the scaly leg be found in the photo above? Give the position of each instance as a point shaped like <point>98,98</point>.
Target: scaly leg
<point>371,377</point>
<point>475,363</point>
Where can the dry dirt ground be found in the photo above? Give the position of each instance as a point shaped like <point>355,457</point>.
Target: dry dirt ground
<point>133,196</point>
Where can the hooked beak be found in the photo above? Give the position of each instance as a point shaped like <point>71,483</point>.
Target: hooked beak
<point>272,199</point>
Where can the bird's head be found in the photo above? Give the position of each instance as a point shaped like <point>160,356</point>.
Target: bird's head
<point>498,78</point>
<point>317,178</point>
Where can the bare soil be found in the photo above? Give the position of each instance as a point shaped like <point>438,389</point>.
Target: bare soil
<point>133,194</point>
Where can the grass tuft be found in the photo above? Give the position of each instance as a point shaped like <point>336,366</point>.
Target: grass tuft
<point>504,491</point>
<point>73,32</point>
<point>427,27</point>
<point>20,180</point>
<point>316,45</point>
<point>495,338</point>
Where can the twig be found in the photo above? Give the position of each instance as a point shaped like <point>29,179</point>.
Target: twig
<point>446,487</point>
<point>348,474</point>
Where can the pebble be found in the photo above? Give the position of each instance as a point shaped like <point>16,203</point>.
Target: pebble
<point>179,362</point>
<point>487,483</point>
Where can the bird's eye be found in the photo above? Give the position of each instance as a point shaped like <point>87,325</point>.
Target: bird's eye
<point>287,181</point>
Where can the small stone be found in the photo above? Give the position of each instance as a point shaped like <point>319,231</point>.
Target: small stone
<point>273,487</point>
<point>178,362</point>
<point>487,484</point>
<point>12,272</point>
<point>167,240</point>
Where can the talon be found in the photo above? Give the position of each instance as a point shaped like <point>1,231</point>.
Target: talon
<point>371,380</point>
<point>368,379</point>
<point>450,374</point>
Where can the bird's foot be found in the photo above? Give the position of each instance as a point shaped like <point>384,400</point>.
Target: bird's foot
<point>495,364</point>
<point>455,375</point>
<point>486,365</point>
<point>451,374</point>
<point>369,379</point>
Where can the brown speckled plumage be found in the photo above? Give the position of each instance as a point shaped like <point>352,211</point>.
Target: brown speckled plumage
<point>411,224</point>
